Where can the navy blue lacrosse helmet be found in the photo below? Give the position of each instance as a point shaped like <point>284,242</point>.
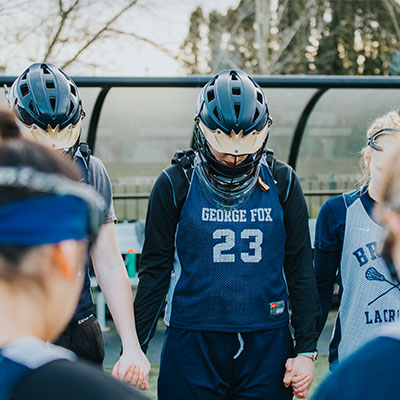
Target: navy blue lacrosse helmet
<point>233,118</point>
<point>47,105</point>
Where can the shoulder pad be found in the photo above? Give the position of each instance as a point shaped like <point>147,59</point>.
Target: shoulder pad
<point>184,158</point>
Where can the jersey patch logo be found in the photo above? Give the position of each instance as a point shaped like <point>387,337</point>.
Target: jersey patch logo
<point>373,275</point>
<point>276,307</point>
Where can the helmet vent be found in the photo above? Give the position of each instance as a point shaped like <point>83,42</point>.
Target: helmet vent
<point>217,114</point>
<point>260,97</point>
<point>236,91</point>
<point>45,70</point>
<point>256,114</point>
<point>71,108</point>
<point>32,108</point>
<point>50,85</point>
<point>24,89</point>
<point>53,103</point>
<point>234,76</point>
<point>24,76</point>
<point>212,83</point>
<point>73,91</point>
<point>210,95</point>
<point>237,109</point>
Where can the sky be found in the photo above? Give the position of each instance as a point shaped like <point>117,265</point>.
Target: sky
<point>165,22</point>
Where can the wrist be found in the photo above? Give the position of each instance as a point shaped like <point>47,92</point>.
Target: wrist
<point>313,355</point>
<point>130,346</point>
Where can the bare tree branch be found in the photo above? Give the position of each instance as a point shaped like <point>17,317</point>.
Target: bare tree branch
<point>146,40</point>
<point>389,7</point>
<point>98,34</point>
<point>222,55</point>
<point>288,36</point>
<point>262,26</point>
<point>64,15</point>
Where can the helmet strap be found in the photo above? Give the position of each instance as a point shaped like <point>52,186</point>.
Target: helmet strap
<point>73,149</point>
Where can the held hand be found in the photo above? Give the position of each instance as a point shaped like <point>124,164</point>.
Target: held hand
<point>299,374</point>
<point>133,367</point>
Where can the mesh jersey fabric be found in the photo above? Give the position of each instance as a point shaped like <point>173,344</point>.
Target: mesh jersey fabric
<point>228,269</point>
<point>370,298</point>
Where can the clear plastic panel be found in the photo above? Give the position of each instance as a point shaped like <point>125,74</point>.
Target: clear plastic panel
<point>285,107</point>
<point>329,156</point>
<point>140,129</point>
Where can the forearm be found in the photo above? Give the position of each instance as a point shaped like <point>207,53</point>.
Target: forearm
<point>116,287</point>
<point>149,302</point>
<point>114,282</point>
<point>299,271</point>
<point>325,272</point>
<point>157,258</point>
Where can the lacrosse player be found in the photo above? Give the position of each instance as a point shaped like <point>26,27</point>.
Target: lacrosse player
<point>227,232</point>
<point>346,252</point>
<point>47,219</point>
<point>48,108</point>
<point>372,372</point>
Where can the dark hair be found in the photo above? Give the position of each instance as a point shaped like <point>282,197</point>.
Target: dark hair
<point>8,125</point>
<point>23,152</point>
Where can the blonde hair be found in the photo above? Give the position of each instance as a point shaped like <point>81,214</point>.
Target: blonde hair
<point>388,120</point>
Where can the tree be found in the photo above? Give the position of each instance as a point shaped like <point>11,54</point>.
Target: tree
<point>252,36</point>
<point>67,32</point>
<point>296,37</point>
<point>360,38</point>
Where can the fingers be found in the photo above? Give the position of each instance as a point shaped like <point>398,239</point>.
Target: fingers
<point>301,395</point>
<point>287,379</point>
<point>114,372</point>
<point>143,383</point>
<point>301,386</point>
<point>136,377</point>
<point>289,364</point>
<point>301,380</point>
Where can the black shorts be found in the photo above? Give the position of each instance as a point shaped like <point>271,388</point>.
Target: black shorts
<point>85,339</point>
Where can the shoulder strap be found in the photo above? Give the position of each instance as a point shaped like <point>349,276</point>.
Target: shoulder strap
<point>85,151</point>
<point>270,160</point>
<point>82,159</point>
<point>184,160</point>
<point>282,175</point>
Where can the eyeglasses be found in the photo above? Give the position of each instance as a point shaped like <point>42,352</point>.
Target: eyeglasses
<point>372,140</point>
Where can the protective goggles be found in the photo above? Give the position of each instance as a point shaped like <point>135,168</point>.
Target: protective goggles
<point>372,140</point>
<point>65,209</point>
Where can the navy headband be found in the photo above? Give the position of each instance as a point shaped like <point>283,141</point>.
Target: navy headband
<point>65,210</point>
<point>43,220</point>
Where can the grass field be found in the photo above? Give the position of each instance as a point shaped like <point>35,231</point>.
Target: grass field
<point>321,368</point>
